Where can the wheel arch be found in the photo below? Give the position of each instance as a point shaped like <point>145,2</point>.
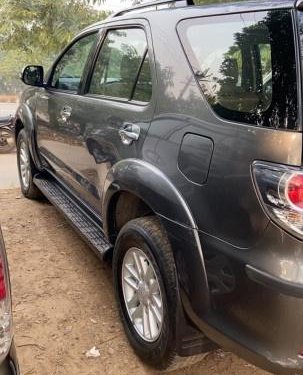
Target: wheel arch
<point>157,194</point>
<point>24,119</point>
<point>150,185</point>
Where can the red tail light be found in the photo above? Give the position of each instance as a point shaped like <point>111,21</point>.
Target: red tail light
<point>280,189</point>
<point>5,304</point>
<point>294,190</point>
<point>2,282</point>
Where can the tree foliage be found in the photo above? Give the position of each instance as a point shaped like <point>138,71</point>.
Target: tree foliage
<point>34,31</point>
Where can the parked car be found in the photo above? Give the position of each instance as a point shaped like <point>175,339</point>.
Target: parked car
<point>175,147</point>
<point>7,138</point>
<point>8,358</point>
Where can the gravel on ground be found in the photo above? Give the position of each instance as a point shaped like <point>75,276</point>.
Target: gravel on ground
<point>63,301</point>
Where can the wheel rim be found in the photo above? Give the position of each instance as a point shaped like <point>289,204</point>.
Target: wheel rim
<point>142,294</point>
<point>24,164</point>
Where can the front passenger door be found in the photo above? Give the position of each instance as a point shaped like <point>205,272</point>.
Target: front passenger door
<point>58,131</point>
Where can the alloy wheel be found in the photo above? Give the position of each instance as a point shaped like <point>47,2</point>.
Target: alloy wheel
<point>142,294</point>
<point>24,162</point>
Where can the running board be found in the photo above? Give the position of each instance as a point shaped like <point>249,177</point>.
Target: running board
<point>90,231</point>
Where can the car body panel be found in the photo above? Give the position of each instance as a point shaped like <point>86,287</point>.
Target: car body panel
<point>239,222</point>
<point>9,365</point>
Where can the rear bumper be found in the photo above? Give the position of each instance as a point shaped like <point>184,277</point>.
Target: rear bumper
<point>253,351</point>
<point>10,365</point>
<point>275,283</point>
<point>255,304</point>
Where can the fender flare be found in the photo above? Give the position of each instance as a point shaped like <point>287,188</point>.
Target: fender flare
<point>154,188</point>
<point>25,116</point>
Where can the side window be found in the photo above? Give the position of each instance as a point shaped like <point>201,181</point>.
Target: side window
<point>68,71</point>
<point>122,62</point>
<point>248,72</point>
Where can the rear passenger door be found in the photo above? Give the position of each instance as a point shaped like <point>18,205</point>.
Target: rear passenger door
<point>117,105</point>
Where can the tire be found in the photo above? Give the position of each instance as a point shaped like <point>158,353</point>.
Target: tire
<point>7,143</point>
<point>147,235</point>
<point>28,188</point>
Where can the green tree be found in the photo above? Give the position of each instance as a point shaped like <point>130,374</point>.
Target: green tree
<point>34,31</point>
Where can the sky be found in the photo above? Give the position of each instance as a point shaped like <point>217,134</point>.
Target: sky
<point>115,5</point>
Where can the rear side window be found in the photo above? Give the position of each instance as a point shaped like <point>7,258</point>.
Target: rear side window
<point>122,69</point>
<point>246,66</point>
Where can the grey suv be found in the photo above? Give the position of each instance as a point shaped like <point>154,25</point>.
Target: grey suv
<point>170,136</point>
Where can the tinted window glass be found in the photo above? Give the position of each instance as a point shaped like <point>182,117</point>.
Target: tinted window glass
<point>118,64</point>
<point>68,72</point>
<point>248,70</point>
<point>143,90</point>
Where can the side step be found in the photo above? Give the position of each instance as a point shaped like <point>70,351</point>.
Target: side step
<point>91,232</point>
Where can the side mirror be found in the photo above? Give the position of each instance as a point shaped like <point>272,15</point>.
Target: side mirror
<point>33,75</point>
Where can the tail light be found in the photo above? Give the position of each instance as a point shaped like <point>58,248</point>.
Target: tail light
<point>294,190</point>
<point>280,189</point>
<point>5,304</point>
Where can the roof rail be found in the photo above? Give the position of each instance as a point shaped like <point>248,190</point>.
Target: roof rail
<point>151,4</point>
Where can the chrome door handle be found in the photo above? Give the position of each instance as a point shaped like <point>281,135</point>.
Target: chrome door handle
<point>66,112</point>
<point>129,133</point>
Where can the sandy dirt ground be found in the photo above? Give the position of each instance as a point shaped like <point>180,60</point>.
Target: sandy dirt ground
<point>8,108</point>
<point>8,171</point>
<point>63,300</point>
<point>8,165</point>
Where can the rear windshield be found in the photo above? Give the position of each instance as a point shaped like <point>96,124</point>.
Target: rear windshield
<point>245,65</point>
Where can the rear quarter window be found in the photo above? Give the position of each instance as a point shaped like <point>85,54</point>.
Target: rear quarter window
<point>245,65</point>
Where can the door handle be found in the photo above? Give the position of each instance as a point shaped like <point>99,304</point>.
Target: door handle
<point>129,133</point>
<point>66,112</point>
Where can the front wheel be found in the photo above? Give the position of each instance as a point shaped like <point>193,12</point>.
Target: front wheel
<point>7,143</point>
<point>26,168</point>
<point>146,290</point>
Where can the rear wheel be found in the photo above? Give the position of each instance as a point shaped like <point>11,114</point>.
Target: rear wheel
<point>142,294</point>
<point>26,168</point>
<point>145,285</point>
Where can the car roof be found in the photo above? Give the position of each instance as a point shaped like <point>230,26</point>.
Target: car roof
<point>196,10</point>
